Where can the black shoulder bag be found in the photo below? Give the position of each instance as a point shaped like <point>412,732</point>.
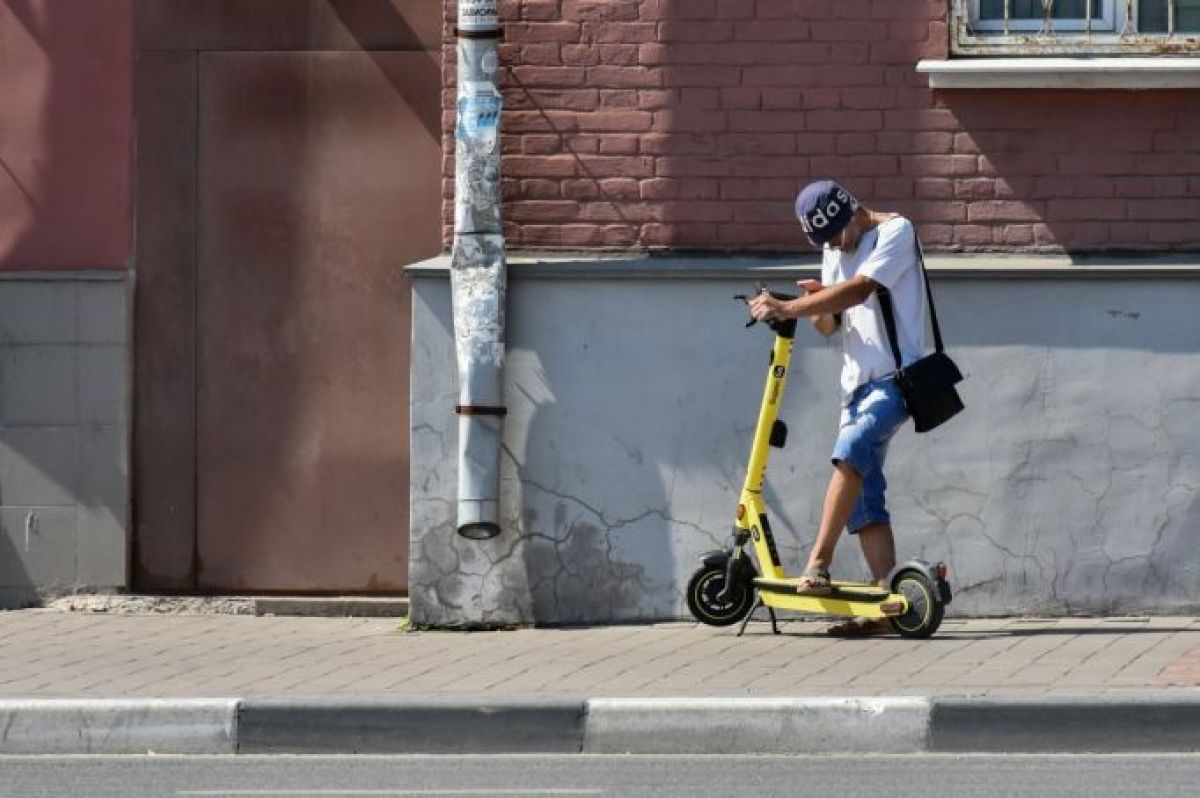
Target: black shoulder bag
<point>928,384</point>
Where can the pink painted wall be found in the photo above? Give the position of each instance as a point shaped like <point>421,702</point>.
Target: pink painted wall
<point>66,124</point>
<point>691,123</point>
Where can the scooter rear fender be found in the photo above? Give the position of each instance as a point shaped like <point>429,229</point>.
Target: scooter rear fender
<point>929,571</point>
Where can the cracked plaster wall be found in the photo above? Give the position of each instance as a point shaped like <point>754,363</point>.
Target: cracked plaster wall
<point>1069,486</point>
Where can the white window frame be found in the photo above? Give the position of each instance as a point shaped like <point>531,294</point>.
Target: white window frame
<point>1113,33</point>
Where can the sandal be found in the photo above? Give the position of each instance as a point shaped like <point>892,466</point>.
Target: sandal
<point>814,582</point>
<point>860,627</point>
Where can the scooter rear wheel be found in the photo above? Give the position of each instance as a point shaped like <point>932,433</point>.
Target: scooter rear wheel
<point>703,590</point>
<point>925,611</point>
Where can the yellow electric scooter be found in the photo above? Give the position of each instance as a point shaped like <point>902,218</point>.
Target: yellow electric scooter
<point>727,587</point>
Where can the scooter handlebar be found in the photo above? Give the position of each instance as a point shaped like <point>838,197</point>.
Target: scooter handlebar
<point>761,290</point>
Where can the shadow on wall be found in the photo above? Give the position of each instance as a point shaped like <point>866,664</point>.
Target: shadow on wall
<point>1072,170</point>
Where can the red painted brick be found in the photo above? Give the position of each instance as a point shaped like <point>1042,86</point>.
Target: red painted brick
<point>674,31</point>
<point>972,235</point>
<point>541,145</point>
<point>1085,209</point>
<point>579,144</point>
<point>868,99</point>
<point>625,33</point>
<point>735,9</point>
<point>542,211</point>
<point>857,144</point>
<point>619,188</point>
<point>752,189</point>
<point>580,55</point>
<point>777,212</point>
<point>921,119</point>
<point>619,54</point>
<point>942,165</point>
<point>867,166</point>
<point>758,144</point>
<point>1002,211</point>
<point>812,98</point>
<point>659,188</point>
<point>1163,209</point>
<point>541,166</point>
<point>617,144</point>
<point>624,76</point>
<point>976,188</point>
<point>1163,186</point>
<point>620,99</point>
<point>548,76</point>
<point>615,166</point>
<point>600,10</point>
<point>1015,235</point>
<point>685,120</point>
<point>742,99</point>
<point>564,32</point>
<point>770,121</point>
<point>569,99</point>
<point>680,166</point>
<point>682,76</point>
<point>696,188</point>
<point>848,31</point>
<point>842,121</point>
<point>925,143</point>
<point>934,188</point>
<point>678,144</point>
<point>700,99</point>
<point>617,121</point>
<point>652,99</point>
<point>537,122</point>
<point>781,100</point>
<point>580,189</point>
<point>773,31</point>
<point>893,188</point>
<point>540,189</point>
<point>540,10</point>
<point>696,211</point>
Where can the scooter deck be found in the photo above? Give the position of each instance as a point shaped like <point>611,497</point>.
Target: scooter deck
<point>858,599</point>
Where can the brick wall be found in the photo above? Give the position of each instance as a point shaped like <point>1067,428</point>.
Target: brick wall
<point>691,123</point>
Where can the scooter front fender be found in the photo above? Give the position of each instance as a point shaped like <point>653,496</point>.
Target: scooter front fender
<point>743,568</point>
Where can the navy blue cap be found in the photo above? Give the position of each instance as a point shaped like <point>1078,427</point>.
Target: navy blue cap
<point>824,208</point>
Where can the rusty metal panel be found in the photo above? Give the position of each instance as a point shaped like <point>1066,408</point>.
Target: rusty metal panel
<point>164,451</point>
<point>319,178</point>
<point>289,24</point>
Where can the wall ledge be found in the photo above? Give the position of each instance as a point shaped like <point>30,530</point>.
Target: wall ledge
<point>1152,72</point>
<point>585,265</point>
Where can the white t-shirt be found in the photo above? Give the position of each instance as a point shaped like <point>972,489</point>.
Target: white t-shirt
<point>887,255</point>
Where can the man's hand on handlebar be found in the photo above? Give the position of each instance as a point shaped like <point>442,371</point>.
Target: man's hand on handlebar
<point>769,306</point>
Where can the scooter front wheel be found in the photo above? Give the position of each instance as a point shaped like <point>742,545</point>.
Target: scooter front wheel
<point>925,610</point>
<point>709,606</point>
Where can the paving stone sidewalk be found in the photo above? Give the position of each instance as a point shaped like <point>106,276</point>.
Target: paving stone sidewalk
<point>46,653</point>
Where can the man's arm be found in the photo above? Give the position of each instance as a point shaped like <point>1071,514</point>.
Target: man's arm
<point>826,302</point>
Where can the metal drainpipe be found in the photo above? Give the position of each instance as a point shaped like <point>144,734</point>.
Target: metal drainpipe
<point>477,273</point>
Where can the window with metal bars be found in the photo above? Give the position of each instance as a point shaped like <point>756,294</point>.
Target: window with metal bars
<point>1076,26</point>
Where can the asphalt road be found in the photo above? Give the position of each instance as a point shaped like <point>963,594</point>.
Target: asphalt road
<point>897,776</point>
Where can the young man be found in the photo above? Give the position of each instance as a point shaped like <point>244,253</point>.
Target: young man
<point>863,250</point>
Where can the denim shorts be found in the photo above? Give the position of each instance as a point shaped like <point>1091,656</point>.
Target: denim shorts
<point>870,419</point>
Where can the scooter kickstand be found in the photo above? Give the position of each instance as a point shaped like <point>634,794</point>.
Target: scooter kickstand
<point>758,602</point>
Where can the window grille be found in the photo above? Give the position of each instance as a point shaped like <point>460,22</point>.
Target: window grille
<point>1043,27</point>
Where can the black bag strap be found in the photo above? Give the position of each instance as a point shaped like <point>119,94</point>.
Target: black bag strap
<point>889,318</point>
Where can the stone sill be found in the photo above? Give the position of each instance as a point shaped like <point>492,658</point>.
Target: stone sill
<point>585,265</point>
<point>1155,72</point>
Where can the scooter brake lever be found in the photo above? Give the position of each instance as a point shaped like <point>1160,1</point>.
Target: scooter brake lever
<point>746,300</point>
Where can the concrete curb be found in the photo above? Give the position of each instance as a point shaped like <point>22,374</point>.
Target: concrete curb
<point>1148,722</point>
<point>118,726</point>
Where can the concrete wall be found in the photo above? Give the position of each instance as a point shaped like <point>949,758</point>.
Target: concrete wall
<point>1069,486</point>
<point>64,430</point>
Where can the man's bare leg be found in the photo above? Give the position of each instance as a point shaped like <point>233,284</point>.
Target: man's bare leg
<point>844,488</point>
<point>879,549</point>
